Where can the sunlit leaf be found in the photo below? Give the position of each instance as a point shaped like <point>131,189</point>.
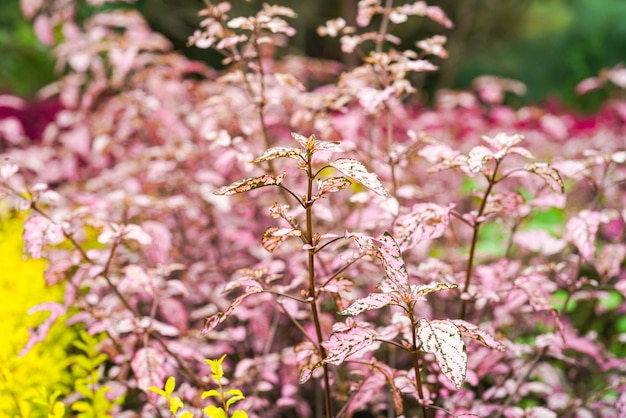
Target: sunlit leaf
<point>443,339</point>
<point>357,172</point>
<point>250,183</point>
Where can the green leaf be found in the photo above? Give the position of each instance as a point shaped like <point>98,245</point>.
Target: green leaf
<point>239,414</point>
<point>186,415</point>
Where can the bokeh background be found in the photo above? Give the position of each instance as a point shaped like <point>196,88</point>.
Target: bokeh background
<point>550,45</point>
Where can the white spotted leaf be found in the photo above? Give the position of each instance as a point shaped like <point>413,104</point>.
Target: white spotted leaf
<point>331,185</point>
<point>371,301</point>
<point>357,171</point>
<point>274,236</point>
<point>425,221</point>
<point>548,174</point>
<point>443,339</point>
<point>394,266</point>
<point>345,343</point>
<point>326,146</point>
<point>278,152</point>
<point>250,183</point>
<point>581,230</point>
<point>472,331</point>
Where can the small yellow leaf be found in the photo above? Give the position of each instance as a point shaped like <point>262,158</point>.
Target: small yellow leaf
<point>234,399</point>
<point>169,385</point>
<point>216,367</point>
<point>175,404</point>
<point>211,392</point>
<point>158,391</point>
<point>213,411</point>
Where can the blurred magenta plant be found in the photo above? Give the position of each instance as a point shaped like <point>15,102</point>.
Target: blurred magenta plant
<point>510,221</point>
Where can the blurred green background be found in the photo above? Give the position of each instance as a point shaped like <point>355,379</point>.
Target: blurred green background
<point>550,45</point>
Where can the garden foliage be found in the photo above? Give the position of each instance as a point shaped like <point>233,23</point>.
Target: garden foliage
<point>348,248</point>
<point>22,378</point>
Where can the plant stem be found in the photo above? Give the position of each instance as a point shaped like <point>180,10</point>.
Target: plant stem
<point>416,367</point>
<point>477,223</point>
<point>312,292</point>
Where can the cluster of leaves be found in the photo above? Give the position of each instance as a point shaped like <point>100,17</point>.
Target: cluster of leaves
<point>21,287</point>
<point>226,399</point>
<point>464,260</point>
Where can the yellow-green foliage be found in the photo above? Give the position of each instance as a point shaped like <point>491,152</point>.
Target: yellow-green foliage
<point>21,287</point>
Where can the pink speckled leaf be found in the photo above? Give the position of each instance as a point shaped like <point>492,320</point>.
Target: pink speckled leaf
<point>346,343</point>
<point>278,152</point>
<point>331,185</point>
<point>443,339</point>
<point>371,301</point>
<point>548,174</point>
<point>39,232</point>
<point>357,171</point>
<point>147,364</point>
<point>425,221</point>
<point>250,183</point>
<point>610,259</point>
<point>274,236</point>
<point>425,289</point>
<point>394,266</point>
<point>472,331</point>
<point>581,230</point>
<point>251,287</point>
